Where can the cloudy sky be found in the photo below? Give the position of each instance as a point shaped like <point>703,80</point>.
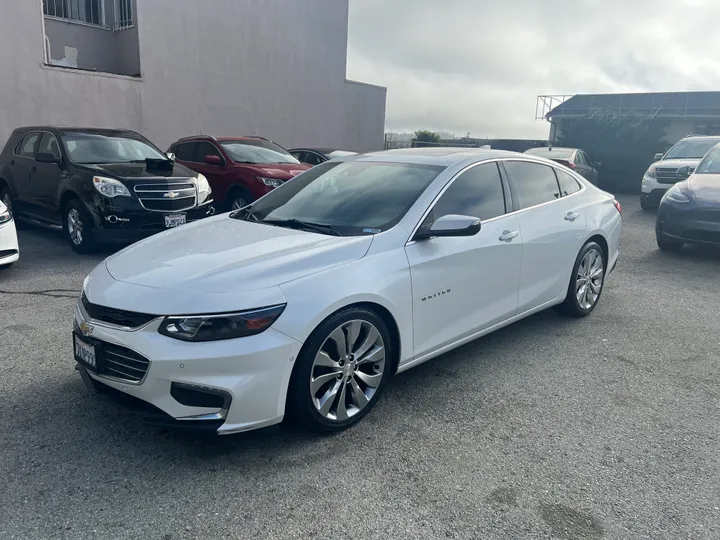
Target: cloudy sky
<point>477,66</point>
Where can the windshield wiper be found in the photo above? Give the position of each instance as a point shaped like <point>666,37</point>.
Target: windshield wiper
<point>297,224</point>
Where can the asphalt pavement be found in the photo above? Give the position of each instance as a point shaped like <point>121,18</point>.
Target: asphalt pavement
<point>606,427</point>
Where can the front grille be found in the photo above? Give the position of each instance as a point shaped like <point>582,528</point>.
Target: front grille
<point>119,317</point>
<point>667,175</point>
<point>121,363</point>
<point>167,197</point>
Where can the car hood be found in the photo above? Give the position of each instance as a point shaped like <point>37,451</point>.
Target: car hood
<point>705,188</point>
<point>221,254</point>
<point>281,171</point>
<point>677,163</point>
<point>140,171</point>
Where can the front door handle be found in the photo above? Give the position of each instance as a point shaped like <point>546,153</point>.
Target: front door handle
<point>572,216</point>
<point>507,236</point>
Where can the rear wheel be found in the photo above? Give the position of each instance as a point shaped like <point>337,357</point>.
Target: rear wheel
<point>78,227</point>
<point>341,371</point>
<point>586,283</point>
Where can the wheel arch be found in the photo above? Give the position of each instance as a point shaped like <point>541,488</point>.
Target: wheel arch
<point>66,197</point>
<point>603,243</point>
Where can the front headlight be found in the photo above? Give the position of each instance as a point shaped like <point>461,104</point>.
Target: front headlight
<point>109,187</point>
<point>271,182</point>
<point>675,194</point>
<point>203,187</point>
<point>5,216</point>
<point>651,173</point>
<point>222,326</point>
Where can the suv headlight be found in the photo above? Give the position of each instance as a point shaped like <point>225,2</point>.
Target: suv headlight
<point>675,194</point>
<point>651,173</point>
<point>5,216</point>
<point>271,182</point>
<point>203,187</point>
<point>222,326</point>
<point>109,187</point>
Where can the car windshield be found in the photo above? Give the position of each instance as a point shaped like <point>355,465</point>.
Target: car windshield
<point>711,163</point>
<point>352,198</point>
<point>88,148</point>
<point>690,149</point>
<point>257,151</point>
<point>555,153</point>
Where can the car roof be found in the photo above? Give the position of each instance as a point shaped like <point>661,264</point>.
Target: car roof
<point>220,139</point>
<point>75,129</point>
<point>444,156</point>
<point>552,149</point>
<point>321,149</point>
<point>702,137</point>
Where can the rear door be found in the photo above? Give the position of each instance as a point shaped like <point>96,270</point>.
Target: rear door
<point>21,164</point>
<point>45,179</point>
<point>552,228</point>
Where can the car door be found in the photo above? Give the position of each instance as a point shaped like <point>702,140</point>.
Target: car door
<point>552,227</point>
<point>217,175</point>
<point>45,179</point>
<point>581,164</point>
<point>20,165</point>
<point>464,285</point>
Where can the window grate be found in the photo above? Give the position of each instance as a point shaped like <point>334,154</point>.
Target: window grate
<point>85,11</point>
<point>124,14</point>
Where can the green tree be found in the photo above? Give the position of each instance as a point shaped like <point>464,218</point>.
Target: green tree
<point>425,137</point>
<point>625,145</point>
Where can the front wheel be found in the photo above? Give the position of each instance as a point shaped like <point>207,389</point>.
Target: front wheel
<point>646,205</point>
<point>341,371</point>
<point>586,282</point>
<point>238,199</point>
<point>78,227</point>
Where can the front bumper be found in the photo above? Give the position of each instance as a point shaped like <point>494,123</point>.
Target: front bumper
<point>693,225</point>
<point>9,250</point>
<point>252,372</point>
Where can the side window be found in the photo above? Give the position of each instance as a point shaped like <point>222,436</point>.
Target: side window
<point>49,145</point>
<point>206,149</point>
<point>311,158</point>
<point>185,151</point>
<point>568,184</point>
<point>298,156</point>
<point>582,159</point>
<point>29,144</point>
<point>532,183</point>
<point>477,192</point>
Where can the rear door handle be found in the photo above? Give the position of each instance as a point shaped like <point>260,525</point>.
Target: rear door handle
<point>507,236</point>
<point>572,216</point>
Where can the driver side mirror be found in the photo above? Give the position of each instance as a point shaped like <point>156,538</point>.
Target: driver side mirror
<point>170,156</point>
<point>659,156</point>
<point>213,160</point>
<point>46,157</point>
<point>450,225</point>
<point>598,164</point>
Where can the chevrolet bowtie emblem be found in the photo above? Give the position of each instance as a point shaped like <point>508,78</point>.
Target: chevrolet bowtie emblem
<point>171,194</point>
<point>86,329</point>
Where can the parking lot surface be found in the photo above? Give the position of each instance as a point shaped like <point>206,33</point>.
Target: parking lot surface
<point>606,427</point>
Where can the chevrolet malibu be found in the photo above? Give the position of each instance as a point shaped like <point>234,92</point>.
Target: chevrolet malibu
<point>306,302</point>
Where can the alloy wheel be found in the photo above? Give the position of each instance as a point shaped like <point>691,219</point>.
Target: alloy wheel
<point>75,226</point>
<point>239,203</point>
<point>347,370</point>
<point>589,279</point>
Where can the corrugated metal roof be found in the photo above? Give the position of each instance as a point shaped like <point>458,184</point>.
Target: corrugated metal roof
<point>656,104</point>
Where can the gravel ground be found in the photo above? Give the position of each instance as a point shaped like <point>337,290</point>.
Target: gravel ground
<point>601,428</point>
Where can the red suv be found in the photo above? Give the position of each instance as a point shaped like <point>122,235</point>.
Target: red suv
<point>240,169</point>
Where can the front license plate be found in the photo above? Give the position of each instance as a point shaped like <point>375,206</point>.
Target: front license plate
<point>85,353</point>
<point>175,220</point>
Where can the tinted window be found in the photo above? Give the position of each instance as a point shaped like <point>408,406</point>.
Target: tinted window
<point>532,183</point>
<point>257,151</point>
<point>27,147</point>
<point>477,192</point>
<point>206,149</point>
<point>108,147</point>
<point>185,151</point>
<point>311,158</point>
<point>568,184</point>
<point>711,163</point>
<point>353,198</point>
<point>49,145</point>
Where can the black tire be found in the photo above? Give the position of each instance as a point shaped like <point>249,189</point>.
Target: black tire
<point>86,241</point>
<point>571,306</point>
<point>235,195</point>
<point>300,404</point>
<point>646,204</point>
<point>667,244</point>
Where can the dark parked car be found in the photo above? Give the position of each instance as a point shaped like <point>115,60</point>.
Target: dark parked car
<point>98,185</point>
<point>316,156</point>
<point>239,169</point>
<point>574,158</point>
<point>689,211</point>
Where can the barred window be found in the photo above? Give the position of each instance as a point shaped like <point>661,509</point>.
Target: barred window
<point>123,14</point>
<point>87,11</point>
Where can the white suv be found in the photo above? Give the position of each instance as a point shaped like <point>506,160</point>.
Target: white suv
<point>676,165</point>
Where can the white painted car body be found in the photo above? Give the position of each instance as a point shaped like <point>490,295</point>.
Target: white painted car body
<point>9,248</point>
<point>440,293</point>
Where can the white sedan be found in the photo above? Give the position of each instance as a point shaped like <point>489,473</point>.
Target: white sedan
<point>9,250</point>
<point>305,303</point>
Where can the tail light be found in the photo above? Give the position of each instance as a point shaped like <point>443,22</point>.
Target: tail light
<point>617,205</point>
<point>566,163</point>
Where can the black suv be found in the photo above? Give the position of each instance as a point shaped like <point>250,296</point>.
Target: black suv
<point>99,185</point>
